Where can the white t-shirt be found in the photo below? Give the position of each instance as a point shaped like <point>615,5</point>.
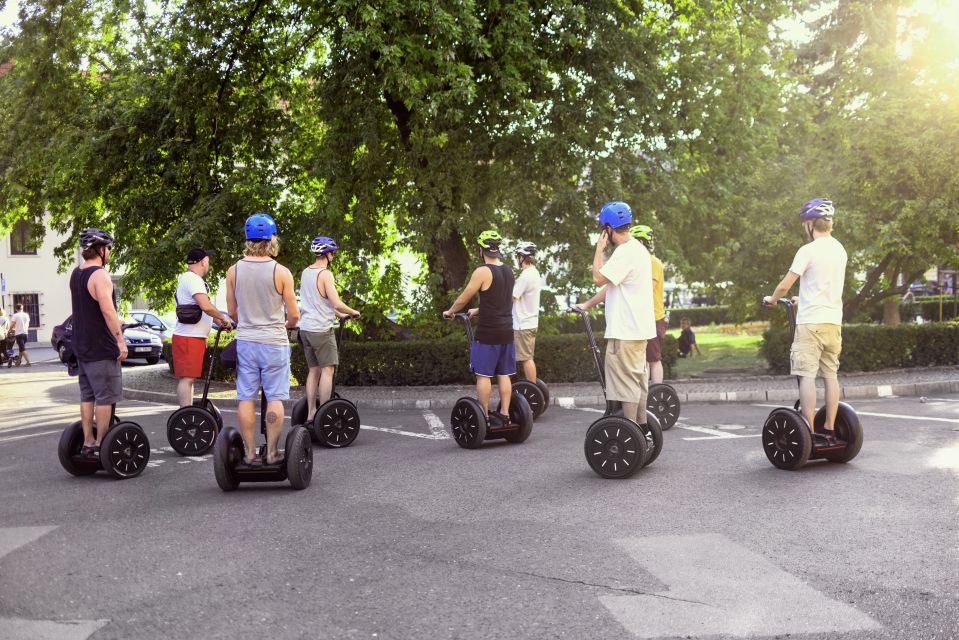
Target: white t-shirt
<point>188,285</point>
<point>23,323</point>
<point>526,299</point>
<point>821,267</point>
<point>629,294</point>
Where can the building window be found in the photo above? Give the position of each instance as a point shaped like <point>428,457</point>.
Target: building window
<point>31,304</point>
<point>21,244</point>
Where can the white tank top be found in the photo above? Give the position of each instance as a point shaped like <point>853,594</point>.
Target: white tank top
<point>316,312</point>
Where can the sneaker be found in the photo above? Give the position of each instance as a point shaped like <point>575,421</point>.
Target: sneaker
<point>827,439</point>
<point>496,420</point>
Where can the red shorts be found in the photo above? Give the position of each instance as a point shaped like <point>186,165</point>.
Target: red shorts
<point>654,347</point>
<point>188,356</point>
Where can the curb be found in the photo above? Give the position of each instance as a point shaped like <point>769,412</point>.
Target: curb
<point>569,402</point>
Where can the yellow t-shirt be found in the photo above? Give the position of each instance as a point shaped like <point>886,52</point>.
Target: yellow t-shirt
<point>659,306</point>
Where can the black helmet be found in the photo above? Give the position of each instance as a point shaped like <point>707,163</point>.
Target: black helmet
<point>91,237</point>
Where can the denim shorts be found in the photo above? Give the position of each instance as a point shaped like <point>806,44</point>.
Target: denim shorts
<point>266,365</point>
<point>490,360</point>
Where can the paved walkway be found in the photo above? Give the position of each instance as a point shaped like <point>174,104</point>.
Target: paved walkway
<point>156,384</point>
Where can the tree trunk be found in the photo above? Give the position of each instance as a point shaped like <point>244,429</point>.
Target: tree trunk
<point>890,305</point>
<point>451,262</point>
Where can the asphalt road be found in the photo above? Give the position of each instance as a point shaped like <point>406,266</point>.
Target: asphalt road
<point>405,535</point>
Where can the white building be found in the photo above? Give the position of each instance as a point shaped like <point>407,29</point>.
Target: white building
<point>30,277</point>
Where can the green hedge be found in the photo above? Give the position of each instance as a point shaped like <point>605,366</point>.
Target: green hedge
<point>927,307</point>
<point>559,358</point>
<point>867,347</point>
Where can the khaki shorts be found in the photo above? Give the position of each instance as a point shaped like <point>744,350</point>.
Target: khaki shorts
<point>525,341</point>
<point>815,351</point>
<point>627,374</point>
<point>319,348</point>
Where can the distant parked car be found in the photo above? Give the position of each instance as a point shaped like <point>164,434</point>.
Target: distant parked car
<point>141,343</point>
<point>163,327</point>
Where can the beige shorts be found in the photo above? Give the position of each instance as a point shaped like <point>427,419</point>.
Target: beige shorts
<point>525,341</point>
<point>319,348</point>
<point>627,374</point>
<point>815,351</point>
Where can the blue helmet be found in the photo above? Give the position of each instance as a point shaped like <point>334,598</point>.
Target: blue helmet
<point>817,208</point>
<point>322,245</point>
<point>260,226</point>
<point>615,214</point>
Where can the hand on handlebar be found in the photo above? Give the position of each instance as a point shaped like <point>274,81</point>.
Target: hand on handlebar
<point>577,308</point>
<point>472,312</point>
<point>448,315</point>
<point>768,301</point>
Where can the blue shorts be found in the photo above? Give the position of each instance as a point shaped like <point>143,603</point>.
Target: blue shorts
<point>266,365</point>
<point>490,360</point>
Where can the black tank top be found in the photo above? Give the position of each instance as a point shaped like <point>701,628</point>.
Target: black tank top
<point>496,308</point>
<point>92,339</point>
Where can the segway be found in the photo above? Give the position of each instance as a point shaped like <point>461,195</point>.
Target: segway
<point>536,394</point>
<point>468,420</point>
<point>124,450</point>
<point>191,431</point>
<point>664,402</point>
<point>337,422</point>
<point>231,469</point>
<point>787,440</point>
<point>615,446</point>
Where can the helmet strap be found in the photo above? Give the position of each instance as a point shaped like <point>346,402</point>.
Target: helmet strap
<point>102,252</point>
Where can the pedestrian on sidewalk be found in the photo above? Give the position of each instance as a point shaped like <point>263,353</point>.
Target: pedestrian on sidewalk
<point>493,353</point>
<point>259,293</point>
<point>21,328</point>
<point>627,280</point>
<point>97,338</point>
<point>526,293</point>
<point>319,305</point>
<point>820,267</point>
<point>195,315</point>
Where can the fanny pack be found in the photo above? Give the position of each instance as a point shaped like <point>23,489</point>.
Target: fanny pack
<point>188,313</point>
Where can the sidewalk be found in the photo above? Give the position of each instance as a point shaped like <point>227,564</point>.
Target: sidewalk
<point>158,385</point>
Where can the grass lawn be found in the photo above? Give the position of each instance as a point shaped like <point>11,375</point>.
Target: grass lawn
<point>723,347</point>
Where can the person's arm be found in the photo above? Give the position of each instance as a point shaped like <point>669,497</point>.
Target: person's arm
<point>289,298</point>
<point>231,293</point>
<point>598,277</point>
<point>103,294</point>
<point>781,289</point>
<point>203,301</point>
<point>477,280</point>
<point>326,284</point>
<point>598,297</point>
<point>522,285</point>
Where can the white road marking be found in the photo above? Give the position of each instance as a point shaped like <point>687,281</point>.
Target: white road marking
<point>715,434</point>
<point>437,427</point>
<point>400,432</point>
<point>887,415</point>
<point>717,587</point>
<point>589,409</point>
<point>11,539</point>
<point>29,435</point>
<point>884,390</point>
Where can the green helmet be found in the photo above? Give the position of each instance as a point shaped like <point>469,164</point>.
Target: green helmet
<point>642,232</point>
<point>490,240</point>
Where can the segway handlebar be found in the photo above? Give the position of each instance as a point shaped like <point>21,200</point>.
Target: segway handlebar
<point>467,324</point>
<point>592,344</point>
<point>209,372</point>
<point>790,315</point>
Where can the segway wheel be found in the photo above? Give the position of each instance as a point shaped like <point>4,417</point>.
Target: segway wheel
<point>786,439</point>
<point>664,402</point>
<point>336,424</point>
<point>299,458</point>
<point>468,423</point>
<point>654,437</point>
<point>545,389</point>
<point>533,394</point>
<point>191,431</point>
<point>227,453</point>
<point>615,447</point>
<point>520,413</point>
<point>299,413</point>
<point>209,406</point>
<point>71,442</point>
<point>847,427</point>
<point>125,450</point>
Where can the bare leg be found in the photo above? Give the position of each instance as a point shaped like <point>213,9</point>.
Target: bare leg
<point>245,416</point>
<point>86,419</point>
<point>630,411</point>
<point>24,356</point>
<point>274,427</point>
<point>832,402</point>
<point>529,370</point>
<point>807,398</point>
<point>505,391</point>
<point>184,392</point>
<point>312,379</point>
<point>104,414</point>
<point>326,383</point>
<point>643,393</point>
<point>484,388</point>
<point>656,372</point>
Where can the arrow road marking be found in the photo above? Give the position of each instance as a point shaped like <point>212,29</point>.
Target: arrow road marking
<point>717,587</point>
<point>11,539</point>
